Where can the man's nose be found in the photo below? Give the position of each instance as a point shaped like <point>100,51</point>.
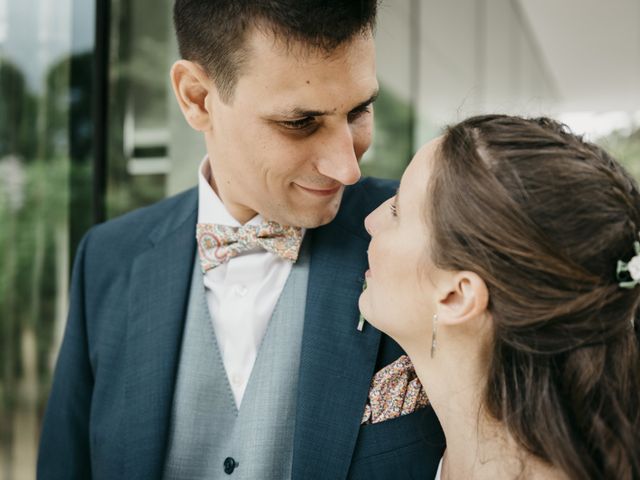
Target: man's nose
<point>338,159</point>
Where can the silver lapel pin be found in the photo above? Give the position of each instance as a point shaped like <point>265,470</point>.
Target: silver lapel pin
<point>362,319</point>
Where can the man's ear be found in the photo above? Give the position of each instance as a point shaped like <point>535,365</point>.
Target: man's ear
<point>465,298</point>
<point>191,86</point>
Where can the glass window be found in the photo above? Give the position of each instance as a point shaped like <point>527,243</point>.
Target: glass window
<point>138,164</point>
<point>37,46</point>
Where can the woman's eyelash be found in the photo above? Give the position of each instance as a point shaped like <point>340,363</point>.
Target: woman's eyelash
<point>394,209</point>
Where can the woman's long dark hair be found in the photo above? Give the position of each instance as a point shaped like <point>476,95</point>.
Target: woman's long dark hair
<point>543,217</point>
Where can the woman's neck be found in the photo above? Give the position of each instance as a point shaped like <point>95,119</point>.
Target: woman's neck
<point>478,447</point>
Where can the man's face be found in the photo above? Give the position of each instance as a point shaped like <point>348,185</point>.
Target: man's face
<point>292,136</point>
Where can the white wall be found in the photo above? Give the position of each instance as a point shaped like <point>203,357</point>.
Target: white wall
<point>478,56</point>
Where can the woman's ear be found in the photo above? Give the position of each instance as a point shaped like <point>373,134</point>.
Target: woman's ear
<point>191,86</point>
<point>465,298</point>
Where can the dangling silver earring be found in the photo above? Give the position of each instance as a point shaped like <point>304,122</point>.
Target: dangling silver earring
<point>434,341</point>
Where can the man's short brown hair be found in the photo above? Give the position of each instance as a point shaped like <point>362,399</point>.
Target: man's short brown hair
<point>212,33</point>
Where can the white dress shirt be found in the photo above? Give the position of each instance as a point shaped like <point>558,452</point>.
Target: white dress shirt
<point>439,471</point>
<point>241,293</point>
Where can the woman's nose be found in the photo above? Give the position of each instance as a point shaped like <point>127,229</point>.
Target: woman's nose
<point>371,221</point>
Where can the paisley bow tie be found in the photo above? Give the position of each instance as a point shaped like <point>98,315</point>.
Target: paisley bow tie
<point>217,244</point>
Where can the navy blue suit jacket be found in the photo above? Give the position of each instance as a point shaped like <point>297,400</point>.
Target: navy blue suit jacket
<point>109,410</point>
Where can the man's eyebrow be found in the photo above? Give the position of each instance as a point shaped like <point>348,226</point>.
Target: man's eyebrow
<point>366,103</point>
<point>298,112</point>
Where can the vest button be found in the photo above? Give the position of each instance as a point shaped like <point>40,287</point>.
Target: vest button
<point>230,465</point>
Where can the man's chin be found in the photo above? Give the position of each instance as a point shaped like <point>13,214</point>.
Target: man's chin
<point>314,221</point>
<point>312,218</point>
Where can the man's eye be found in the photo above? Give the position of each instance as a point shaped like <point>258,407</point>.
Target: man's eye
<point>300,124</point>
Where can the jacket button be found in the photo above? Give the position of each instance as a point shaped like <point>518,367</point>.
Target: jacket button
<point>230,465</point>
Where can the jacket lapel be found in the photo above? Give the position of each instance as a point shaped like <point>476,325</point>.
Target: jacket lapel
<point>159,288</point>
<point>337,360</point>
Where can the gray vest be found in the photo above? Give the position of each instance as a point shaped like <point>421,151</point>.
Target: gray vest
<point>206,428</point>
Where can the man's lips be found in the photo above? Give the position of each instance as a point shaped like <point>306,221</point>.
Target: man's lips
<point>323,192</point>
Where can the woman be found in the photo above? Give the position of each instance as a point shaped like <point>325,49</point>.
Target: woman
<point>496,268</point>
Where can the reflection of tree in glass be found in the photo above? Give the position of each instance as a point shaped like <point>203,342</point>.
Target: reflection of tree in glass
<point>34,244</point>
<point>66,101</point>
<point>70,133</point>
<point>17,111</point>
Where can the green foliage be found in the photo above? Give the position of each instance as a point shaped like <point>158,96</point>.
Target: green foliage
<point>18,108</point>
<point>392,147</point>
<point>29,255</point>
<point>34,205</point>
<point>625,147</point>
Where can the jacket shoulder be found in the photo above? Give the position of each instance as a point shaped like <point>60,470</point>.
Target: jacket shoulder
<point>117,241</point>
<point>136,227</point>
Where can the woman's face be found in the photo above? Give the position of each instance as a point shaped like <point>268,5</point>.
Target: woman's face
<point>399,298</point>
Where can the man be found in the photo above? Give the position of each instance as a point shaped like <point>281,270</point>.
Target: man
<point>228,359</point>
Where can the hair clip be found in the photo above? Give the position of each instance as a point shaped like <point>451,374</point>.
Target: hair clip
<point>632,267</point>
